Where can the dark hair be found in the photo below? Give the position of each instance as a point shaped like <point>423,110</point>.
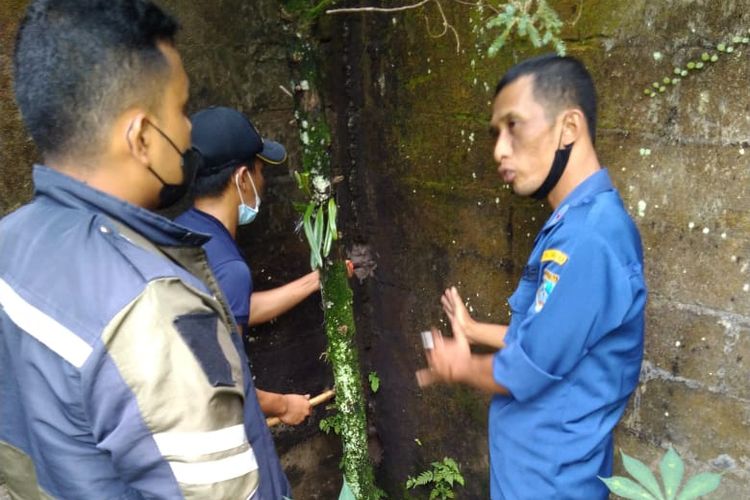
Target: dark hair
<point>558,82</point>
<point>80,63</point>
<point>212,186</point>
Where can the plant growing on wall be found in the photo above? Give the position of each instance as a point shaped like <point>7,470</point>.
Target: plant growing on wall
<point>441,478</point>
<point>710,56</point>
<point>646,486</point>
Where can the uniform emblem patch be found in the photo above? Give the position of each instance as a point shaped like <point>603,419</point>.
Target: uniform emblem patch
<point>545,289</point>
<point>556,256</point>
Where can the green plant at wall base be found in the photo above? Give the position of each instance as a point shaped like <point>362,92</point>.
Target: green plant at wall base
<point>441,478</point>
<point>541,25</point>
<point>722,49</point>
<point>646,486</point>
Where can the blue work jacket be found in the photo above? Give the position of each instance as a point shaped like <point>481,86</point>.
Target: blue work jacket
<point>122,374</point>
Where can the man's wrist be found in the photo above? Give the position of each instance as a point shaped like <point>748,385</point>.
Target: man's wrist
<point>284,406</point>
<point>461,372</point>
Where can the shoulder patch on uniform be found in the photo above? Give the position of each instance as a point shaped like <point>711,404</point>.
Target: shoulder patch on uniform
<point>545,289</point>
<point>556,256</point>
<point>199,331</point>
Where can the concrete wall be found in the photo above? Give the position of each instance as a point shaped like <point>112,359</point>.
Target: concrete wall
<point>430,204</point>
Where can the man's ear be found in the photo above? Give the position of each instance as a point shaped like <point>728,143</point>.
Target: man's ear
<point>240,175</point>
<point>138,138</point>
<point>574,126</point>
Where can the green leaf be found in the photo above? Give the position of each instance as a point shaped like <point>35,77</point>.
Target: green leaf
<point>317,234</point>
<point>642,474</point>
<point>319,226</point>
<point>346,492</point>
<point>332,212</point>
<point>534,36</point>
<point>700,485</point>
<point>327,241</point>
<point>672,469</point>
<point>626,488</point>
<point>307,224</point>
<point>374,381</point>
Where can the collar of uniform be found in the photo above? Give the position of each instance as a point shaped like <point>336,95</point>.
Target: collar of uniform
<point>211,220</point>
<point>596,183</point>
<point>76,194</point>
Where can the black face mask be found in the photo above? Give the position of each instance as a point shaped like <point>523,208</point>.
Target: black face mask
<point>555,172</point>
<point>190,162</point>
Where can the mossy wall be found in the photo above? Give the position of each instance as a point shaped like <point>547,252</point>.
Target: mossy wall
<point>412,117</point>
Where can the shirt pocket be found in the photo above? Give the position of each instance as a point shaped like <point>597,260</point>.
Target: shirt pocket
<point>524,295</point>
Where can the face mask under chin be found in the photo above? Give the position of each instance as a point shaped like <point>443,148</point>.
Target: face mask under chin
<point>560,161</point>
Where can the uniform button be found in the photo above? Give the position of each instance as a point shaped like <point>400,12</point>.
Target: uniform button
<point>104,229</point>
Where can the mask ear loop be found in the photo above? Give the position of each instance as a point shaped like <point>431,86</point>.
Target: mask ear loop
<point>255,191</point>
<point>252,184</point>
<point>239,191</point>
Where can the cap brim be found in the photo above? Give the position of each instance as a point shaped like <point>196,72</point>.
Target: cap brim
<point>273,152</point>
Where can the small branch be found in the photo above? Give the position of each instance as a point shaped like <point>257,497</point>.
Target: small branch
<point>378,9</point>
<point>578,16</point>
<point>284,89</point>
<point>446,27</point>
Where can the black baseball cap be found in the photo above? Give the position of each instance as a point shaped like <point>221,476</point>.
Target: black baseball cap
<point>227,138</point>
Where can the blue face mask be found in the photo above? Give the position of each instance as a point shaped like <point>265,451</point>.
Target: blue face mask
<point>247,214</point>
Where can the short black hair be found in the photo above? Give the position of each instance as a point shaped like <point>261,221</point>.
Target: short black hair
<point>78,64</point>
<point>559,81</point>
<point>214,185</point>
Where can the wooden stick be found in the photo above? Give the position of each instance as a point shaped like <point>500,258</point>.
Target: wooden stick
<point>320,398</point>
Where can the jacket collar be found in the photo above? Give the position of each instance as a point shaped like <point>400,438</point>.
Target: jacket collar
<point>73,193</point>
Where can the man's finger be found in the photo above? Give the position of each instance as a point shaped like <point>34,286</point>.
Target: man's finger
<point>447,306</point>
<point>437,338</point>
<point>455,296</point>
<point>458,332</point>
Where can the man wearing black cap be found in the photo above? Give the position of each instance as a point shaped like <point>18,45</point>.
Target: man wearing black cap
<point>227,190</point>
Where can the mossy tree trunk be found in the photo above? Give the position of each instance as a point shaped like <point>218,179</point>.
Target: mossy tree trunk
<point>336,292</point>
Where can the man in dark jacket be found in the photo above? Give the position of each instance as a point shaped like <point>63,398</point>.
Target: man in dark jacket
<point>122,373</point>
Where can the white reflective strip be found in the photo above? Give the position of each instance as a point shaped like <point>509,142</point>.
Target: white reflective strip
<point>215,471</point>
<point>187,444</point>
<point>46,330</point>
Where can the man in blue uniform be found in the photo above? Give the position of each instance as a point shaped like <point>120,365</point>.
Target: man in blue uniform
<point>122,375</point>
<point>227,195</point>
<point>570,358</point>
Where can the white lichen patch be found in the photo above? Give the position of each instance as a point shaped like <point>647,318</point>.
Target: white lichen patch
<point>642,208</point>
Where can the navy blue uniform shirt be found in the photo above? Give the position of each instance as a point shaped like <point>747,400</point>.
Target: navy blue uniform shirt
<point>573,351</point>
<point>226,261</point>
<point>235,281</point>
